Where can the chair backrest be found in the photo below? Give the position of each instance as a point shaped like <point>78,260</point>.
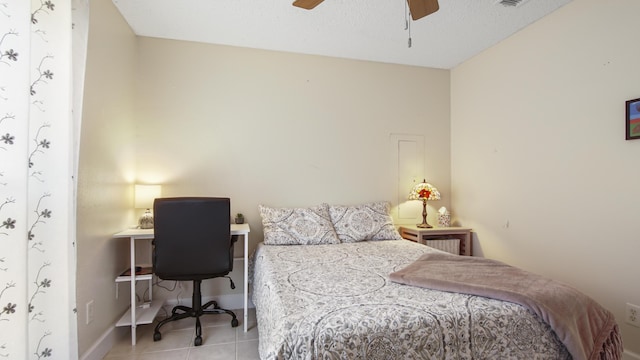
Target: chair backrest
<point>192,238</point>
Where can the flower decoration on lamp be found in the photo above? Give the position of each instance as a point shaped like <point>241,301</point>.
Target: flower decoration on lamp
<point>424,191</point>
<point>144,197</point>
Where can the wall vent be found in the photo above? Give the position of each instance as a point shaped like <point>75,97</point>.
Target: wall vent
<point>511,3</point>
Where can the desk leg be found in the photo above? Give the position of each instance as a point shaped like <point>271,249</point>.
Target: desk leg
<point>132,252</point>
<point>246,280</point>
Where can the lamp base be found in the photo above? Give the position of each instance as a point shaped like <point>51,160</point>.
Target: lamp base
<point>424,215</point>
<point>146,220</point>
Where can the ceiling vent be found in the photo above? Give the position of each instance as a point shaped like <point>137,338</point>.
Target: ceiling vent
<point>511,3</point>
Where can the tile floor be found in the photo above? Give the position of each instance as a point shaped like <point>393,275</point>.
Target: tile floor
<point>219,341</point>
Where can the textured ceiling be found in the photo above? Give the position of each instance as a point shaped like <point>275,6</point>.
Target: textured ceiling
<point>355,29</point>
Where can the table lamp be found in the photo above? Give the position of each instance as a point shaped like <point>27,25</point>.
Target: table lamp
<point>424,191</point>
<point>144,196</point>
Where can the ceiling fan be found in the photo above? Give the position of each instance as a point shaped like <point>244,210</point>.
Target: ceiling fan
<point>417,8</point>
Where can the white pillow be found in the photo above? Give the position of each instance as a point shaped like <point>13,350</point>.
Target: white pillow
<point>298,226</point>
<point>363,222</point>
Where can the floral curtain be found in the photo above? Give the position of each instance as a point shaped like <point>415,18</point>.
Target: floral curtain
<point>38,152</point>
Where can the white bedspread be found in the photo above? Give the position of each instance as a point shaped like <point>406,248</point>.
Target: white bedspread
<point>336,302</point>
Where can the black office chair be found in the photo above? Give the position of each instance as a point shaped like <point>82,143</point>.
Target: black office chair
<point>193,242</point>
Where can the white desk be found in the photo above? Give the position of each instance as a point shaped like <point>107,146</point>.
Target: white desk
<point>147,314</point>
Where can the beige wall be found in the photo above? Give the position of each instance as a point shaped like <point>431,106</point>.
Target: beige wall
<point>540,166</point>
<point>106,171</point>
<point>281,129</point>
<point>256,126</point>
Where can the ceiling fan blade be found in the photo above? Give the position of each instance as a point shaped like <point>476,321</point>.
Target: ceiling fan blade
<point>422,8</point>
<point>307,4</point>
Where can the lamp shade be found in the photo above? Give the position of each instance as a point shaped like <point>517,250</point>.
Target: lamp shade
<point>145,194</point>
<point>424,191</point>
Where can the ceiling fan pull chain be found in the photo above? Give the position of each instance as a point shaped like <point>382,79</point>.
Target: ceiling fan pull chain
<point>407,24</point>
<point>406,18</point>
<point>409,28</point>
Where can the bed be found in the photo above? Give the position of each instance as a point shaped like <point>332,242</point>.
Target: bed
<point>332,299</point>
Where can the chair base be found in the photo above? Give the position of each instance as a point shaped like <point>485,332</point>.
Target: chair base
<point>181,312</point>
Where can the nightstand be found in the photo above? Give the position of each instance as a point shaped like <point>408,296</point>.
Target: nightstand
<point>423,235</point>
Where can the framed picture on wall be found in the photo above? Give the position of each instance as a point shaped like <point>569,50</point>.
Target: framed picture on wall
<point>632,120</point>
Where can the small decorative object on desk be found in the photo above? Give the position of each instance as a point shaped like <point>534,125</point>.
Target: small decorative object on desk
<point>239,218</point>
<point>444,217</point>
<point>146,220</point>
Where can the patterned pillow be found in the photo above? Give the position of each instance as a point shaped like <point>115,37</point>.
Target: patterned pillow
<point>298,226</point>
<point>363,222</point>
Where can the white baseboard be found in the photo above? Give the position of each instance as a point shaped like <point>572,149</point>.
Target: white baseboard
<point>102,346</point>
<point>628,355</point>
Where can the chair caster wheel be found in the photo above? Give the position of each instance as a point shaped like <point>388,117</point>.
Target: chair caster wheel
<point>234,323</point>
<point>198,341</point>
<point>157,336</point>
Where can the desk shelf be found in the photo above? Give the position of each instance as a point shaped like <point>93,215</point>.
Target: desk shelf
<point>122,278</point>
<point>138,314</point>
<point>144,315</point>
<point>145,274</point>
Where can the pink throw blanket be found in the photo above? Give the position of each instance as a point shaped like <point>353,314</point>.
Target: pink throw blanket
<point>588,330</point>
